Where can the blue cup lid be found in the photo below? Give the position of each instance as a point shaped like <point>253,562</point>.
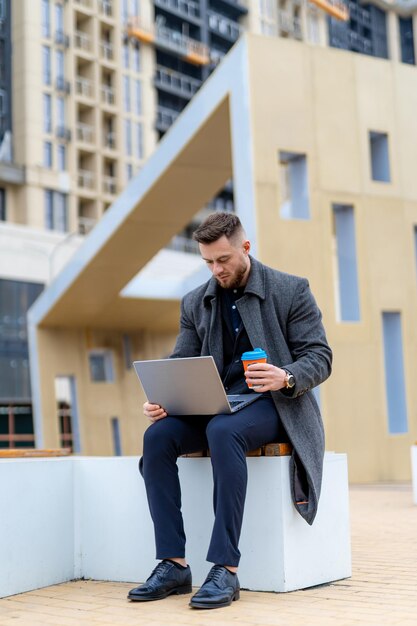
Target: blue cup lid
<point>253,355</point>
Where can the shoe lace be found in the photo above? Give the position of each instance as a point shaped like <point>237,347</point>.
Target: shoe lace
<point>159,570</point>
<point>215,574</point>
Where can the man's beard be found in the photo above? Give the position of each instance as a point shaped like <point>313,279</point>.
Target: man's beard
<point>235,280</point>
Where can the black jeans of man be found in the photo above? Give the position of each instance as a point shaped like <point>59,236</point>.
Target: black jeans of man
<point>228,437</point>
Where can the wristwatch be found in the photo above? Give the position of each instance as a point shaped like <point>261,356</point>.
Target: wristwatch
<point>289,380</point>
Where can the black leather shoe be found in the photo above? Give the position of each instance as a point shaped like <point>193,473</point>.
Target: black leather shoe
<point>166,579</point>
<point>219,589</point>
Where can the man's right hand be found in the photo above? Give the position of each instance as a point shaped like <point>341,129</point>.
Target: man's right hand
<point>154,412</point>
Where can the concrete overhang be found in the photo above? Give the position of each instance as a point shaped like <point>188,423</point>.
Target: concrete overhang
<point>189,166</point>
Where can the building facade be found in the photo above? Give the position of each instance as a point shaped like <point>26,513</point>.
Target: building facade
<point>87,90</point>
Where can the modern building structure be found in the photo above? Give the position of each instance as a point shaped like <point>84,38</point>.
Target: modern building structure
<point>87,90</point>
<point>333,198</point>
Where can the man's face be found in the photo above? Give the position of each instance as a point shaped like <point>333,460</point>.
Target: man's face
<point>228,261</point>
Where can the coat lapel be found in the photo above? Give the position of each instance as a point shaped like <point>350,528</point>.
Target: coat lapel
<point>215,336</point>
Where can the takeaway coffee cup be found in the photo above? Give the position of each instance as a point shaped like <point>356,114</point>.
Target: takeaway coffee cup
<point>257,355</point>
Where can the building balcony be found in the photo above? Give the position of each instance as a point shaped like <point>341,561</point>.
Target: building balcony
<point>223,26</point>
<point>238,8</point>
<point>165,117</point>
<point>85,132</point>
<point>164,38</point>
<point>107,50</point>
<point>84,87</point>
<point>62,85</point>
<point>86,179</point>
<point>109,185</point>
<point>176,83</point>
<point>109,140</point>
<point>62,132</point>
<point>86,224</point>
<point>82,41</point>
<point>85,4</point>
<point>108,96</point>
<point>105,8</point>
<point>289,24</point>
<point>186,9</point>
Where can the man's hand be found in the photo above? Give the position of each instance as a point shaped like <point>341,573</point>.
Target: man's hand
<point>265,377</point>
<point>154,412</point>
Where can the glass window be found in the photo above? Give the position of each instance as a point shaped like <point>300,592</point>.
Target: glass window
<point>126,93</point>
<point>394,373</point>
<point>117,445</point>
<point>56,211</point>
<point>47,113</point>
<point>347,284</point>
<point>134,7</point>
<point>59,18</point>
<point>139,140</point>
<point>136,57</point>
<point>101,366</point>
<point>125,52</point>
<point>47,154</point>
<point>46,19</point>
<point>378,144</point>
<point>60,72</point>
<point>62,158</point>
<point>60,111</point>
<point>46,65</point>
<point>125,10</point>
<point>129,171</point>
<point>2,205</point>
<point>128,137</point>
<point>295,202</point>
<point>138,97</point>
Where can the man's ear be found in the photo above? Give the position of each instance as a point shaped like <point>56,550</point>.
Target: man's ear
<point>246,247</point>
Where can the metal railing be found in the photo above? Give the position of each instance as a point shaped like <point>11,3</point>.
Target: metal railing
<point>85,179</point>
<point>105,7</point>
<point>109,185</point>
<point>109,140</point>
<point>107,94</point>
<point>289,24</point>
<point>61,39</point>
<point>88,4</point>
<point>188,8</point>
<point>165,117</point>
<point>107,50</point>
<point>62,132</point>
<point>176,81</point>
<point>62,85</point>
<point>85,132</point>
<point>178,42</point>
<point>223,25</point>
<point>84,87</point>
<point>82,40</point>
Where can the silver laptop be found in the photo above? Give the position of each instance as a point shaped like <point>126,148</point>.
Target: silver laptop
<point>188,386</point>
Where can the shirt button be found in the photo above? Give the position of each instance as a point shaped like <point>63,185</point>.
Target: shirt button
<point>236,330</point>
<point>234,306</point>
<point>237,360</point>
<point>234,290</point>
<point>227,388</point>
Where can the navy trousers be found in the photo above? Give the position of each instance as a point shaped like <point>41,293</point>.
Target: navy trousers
<point>228,437</point>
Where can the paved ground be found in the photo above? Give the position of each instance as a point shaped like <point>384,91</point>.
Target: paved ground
<point>382,590</point>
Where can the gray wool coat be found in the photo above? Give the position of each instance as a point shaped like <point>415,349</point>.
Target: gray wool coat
<point>281,316</point>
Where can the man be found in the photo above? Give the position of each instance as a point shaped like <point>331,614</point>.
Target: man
<point>244,305</point>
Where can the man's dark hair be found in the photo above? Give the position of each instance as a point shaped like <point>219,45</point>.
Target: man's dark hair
<point>216,225</point>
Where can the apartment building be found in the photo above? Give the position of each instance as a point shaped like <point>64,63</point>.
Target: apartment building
<point>87,90</point>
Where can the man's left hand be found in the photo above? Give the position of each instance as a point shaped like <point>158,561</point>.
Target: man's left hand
<point>265,377</point>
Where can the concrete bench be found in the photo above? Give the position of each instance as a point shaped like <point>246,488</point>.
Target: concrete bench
<point>414,471</point>
<point>73,517</point>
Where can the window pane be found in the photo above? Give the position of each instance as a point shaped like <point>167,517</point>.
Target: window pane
<point>126,93</point>
<point>138,97</point>
<point>60,64</point>
<point>62,158</point>
<point>136,57</point>
<point>59,17</point>
<point>46,65</point>
<point>46,19</point>
<point>2,205</point>
<point>49,212</point>
<point>47,154</point>
<point>139,141</point>
<point>60,212</point>
<point>126,56</point>
<point>347,272</point>
<point>394,373</point>
<point>47,113</point>
<point>128,137</point>
<point>60,111</point>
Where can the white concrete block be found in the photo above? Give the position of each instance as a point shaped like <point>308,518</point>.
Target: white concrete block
<point>280,551</point>
<point>414,471</point>
<point>88,517</point>
<point>36,524</point>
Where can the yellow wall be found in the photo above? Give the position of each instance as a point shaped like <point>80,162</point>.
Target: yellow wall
<point>65,353</point>
<point>324,103</point>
